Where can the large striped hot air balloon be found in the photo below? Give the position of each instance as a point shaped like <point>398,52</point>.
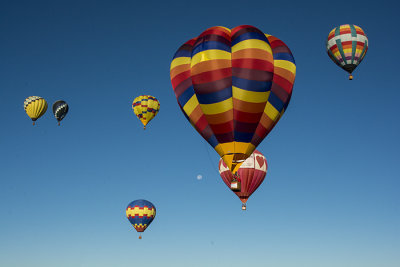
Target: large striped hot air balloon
<point>35,107</point>
<point>140,214</point>
<point>250,175</point>
<point>145,108</point>
<point>346,46</point>
<point>233,85</point>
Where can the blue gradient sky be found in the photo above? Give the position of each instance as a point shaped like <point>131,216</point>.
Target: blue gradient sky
<point>331,196</point>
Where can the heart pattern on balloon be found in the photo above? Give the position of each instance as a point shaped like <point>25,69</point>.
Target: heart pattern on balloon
<point>260,161</point>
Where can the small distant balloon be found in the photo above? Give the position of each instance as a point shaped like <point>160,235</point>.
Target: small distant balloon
<point>199,177</point>
<point>140,214</point>
<point>347,46</point>
<point>60,109</point>
<point>35,107</point>
<point>145,108</point>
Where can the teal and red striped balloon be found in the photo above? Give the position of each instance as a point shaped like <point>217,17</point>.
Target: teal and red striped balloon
<point>347,46</point>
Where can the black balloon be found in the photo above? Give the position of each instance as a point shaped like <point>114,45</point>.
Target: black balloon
<point>60,109</point>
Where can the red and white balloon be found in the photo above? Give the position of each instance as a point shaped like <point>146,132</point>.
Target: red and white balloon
<point>251,174</point>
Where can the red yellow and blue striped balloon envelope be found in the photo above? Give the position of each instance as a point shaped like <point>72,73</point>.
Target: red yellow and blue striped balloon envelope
<point>140,214</point>
<point>233,85</point>
<point>347,46</point>
<point>145,108</point>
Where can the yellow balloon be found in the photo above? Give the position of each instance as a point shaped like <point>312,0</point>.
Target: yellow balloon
<point>35,107</point>
<point>145,108</point>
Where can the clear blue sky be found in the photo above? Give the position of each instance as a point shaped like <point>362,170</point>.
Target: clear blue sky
<point>331,196</point>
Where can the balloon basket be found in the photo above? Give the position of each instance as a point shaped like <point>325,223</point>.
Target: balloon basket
<point>140,236</point>
<point>351,77</point>
<point>236,186</point>
<point>243,206</point>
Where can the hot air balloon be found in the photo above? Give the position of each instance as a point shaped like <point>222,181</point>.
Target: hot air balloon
<point>60,109</point>
<point>35,107</point>
<point>346,46</point>
<point>233,86</point>
<point>140,214</point>
<point>249,176</point>
<point>145,108</point>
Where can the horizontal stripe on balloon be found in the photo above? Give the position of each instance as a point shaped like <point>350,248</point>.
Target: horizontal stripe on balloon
<point>252,74</point>
<point>211,45</point>
<point>222,128</point>
<point>211,76</point>
<point>276,102</point>
<point>190,105</point>
<point>280,92</point>
<point>140,211</point>
<point>210,65</point>
<point>215,97</point>
<point>250,63</point>
<point>217,107</point>
<point>225,137</point>
<point>249,36</point>
<point>284,56</point>
<point>220,117</point>
<point>246,127</point>
<point>249,96</point>
<point>208,135</point>
<point>212,141</point>
<point>201,124</point>
<point>183,53</point>
<point>243,137</point>
<point>285,65</point>
<point>196,114</point>
<point>179,69</point>
<point>212,38</point>
<point>250,85</point>
<point>180,61</point>
<point>253,53</point>
<point>289,76</point>
<point>185,96</point>
<point>252,44</point>
<point>271,111</point>
<point>265,122</point>
<point>218,85</point>
<point>248,107</point>
<point>283,83</point>
<point>180,78</point>
<point>221,31</point>
<point>210,55</point>
<point>247,116</point>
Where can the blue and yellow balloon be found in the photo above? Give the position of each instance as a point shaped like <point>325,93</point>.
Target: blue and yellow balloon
<point>140,214</point>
